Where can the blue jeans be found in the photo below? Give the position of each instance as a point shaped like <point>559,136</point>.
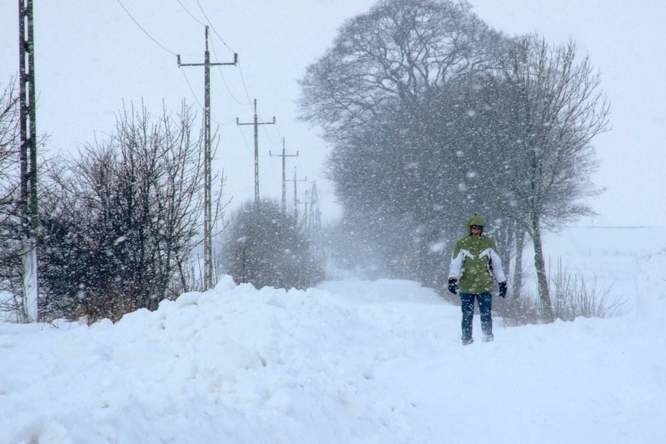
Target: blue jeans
<point>485,306</point>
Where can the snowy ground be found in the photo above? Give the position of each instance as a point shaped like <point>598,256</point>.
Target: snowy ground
<point>349,362</point>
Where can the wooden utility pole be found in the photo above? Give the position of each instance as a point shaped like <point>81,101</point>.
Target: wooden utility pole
<point>208,223</point>
<point>284,156</point>
<point>306,210</point>
<point>296,180</point>
<point>256,124</point>
<point>314,215</point>
<point>28,160</point>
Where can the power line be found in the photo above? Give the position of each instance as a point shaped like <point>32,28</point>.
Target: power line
<point>189,84</point>
<point>277,130</point>
<point>240,69</point>
<point>270,138</point>
<point>219,70</point>
<point>190,14</point>
<point>144,30</point>
<point>242,76</point>
<point>196,98</point>
<point>245,142</point>
<point>136,22</point>
<point>226,86</point>
<point>213,27</point>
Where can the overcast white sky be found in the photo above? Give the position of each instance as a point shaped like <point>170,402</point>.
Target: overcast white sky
<point>91,56</point>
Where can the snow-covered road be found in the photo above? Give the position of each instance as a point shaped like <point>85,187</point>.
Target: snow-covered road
<point>348,362</point>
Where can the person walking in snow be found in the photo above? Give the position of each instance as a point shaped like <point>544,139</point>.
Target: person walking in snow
<point>474,264</point>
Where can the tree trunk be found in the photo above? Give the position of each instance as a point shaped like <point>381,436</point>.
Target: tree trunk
<point>540,265</point>
<point>183,280</point>
<point>518,264</point>
<point>507,241</point>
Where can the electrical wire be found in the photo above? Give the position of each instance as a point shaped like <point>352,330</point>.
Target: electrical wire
<point>242,76</point>
<point>240,67</point>
<point>213,27</point>
<point>189,84</point>
<point>268,135</point>
<point>224,81</point>
<point>219,68</point>
<point>196,98</point>
<point>277,130</point>
<point>136,22</point>
<point>187,80</point>
<point>245,142</point>
<point>190,13</point>
<point>240,71</point>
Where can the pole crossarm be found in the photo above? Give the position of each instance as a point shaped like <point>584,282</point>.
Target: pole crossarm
<point>234,63</point>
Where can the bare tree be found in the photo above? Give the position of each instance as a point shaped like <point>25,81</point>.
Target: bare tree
<point>9,122</point>
<point>400,51</point>
<point>9,140</point>
<point>122,218</point>
<point>10,259</point>
<point>556,109</point>
<point>434,115</point>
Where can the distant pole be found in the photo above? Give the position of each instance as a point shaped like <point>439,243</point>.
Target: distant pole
<point>315,218</point>
<point>208,223</point>
<point>256,124</point>
<point>296,180</point>
<point>284,156</point>
<point>306,210</point>
<point>28,160</point>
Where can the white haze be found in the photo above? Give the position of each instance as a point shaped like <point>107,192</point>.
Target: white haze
<point>91,57</point>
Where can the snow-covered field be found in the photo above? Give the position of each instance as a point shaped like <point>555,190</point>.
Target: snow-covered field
<point>348,362</point>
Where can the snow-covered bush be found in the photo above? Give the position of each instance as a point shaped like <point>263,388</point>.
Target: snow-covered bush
<point>265,247</point>
<point>119,221</point>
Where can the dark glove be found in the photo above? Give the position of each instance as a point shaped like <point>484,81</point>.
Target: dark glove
<point>502,289</point>
<point>453,285</point>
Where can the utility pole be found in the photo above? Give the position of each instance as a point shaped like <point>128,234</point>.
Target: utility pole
<point>306,212</point>
<point>28,160</point>
<point>284,156</point>
<point>295,180</point>
<point>315,211</point>
<point>312,212</point>
<point>256,124</point>
<point>208,224</point>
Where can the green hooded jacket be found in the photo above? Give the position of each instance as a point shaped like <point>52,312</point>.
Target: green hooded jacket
<point>475,262</point>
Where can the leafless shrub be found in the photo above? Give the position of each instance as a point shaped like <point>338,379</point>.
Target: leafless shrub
<point>574,297</point>
<point>120,222</point>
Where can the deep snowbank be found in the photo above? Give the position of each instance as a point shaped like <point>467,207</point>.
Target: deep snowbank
<point>350,361</point>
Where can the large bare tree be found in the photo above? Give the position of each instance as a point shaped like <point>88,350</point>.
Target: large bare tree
<point>556,109</point>
<point>400,51</point>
